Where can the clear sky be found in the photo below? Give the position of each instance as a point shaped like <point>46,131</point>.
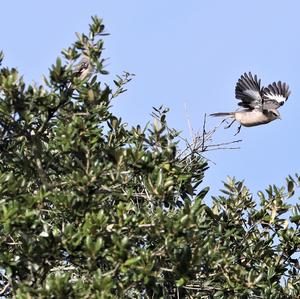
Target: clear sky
<point>189,52</point>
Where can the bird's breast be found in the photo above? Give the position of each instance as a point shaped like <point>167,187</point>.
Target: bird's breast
<point>251,118</point>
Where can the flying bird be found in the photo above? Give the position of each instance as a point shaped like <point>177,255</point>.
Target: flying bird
<point>260,103</point>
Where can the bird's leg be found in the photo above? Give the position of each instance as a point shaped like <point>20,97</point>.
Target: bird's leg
<point>230,124</point>
<point>238,130</point>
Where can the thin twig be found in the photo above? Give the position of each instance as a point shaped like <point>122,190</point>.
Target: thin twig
<point>203,131</point>
<point>188,120</point>
<point>224,143</point>
<point>222,148</point>
<point>201,141</point>
<point>4,289</point>
<point>146,225</point>
<point>62,268</point>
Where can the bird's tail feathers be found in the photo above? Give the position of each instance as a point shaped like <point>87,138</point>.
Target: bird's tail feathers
<point>222,114</point>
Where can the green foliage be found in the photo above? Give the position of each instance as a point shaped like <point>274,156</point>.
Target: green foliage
<point>92,209</point>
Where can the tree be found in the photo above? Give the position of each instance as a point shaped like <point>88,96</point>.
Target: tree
<point>92,209</point>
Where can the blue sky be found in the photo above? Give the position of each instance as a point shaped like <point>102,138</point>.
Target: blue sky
<point>189,52</point>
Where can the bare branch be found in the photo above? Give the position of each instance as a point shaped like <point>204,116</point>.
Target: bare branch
<point>202,142</point>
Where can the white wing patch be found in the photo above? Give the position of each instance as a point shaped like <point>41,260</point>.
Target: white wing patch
<point>275,95</point>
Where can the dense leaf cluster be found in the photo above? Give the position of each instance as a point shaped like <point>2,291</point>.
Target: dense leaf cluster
<point>92,209</point>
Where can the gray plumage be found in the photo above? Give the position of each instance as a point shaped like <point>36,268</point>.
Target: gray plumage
<point>84,68</point>
<point>260,103</point>
<point>248,90</point>
<point>250,93</point>
<point>275,95</point>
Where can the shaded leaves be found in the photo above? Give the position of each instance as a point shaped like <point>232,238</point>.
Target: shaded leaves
<point>90,208</point>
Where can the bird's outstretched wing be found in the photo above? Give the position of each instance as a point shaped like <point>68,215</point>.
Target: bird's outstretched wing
<point>275,95</point>
<point>248,90</point>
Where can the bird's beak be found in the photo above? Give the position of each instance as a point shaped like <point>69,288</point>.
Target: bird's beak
<point>279,117</point>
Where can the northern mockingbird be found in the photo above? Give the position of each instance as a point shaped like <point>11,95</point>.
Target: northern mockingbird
<point>261,103</point>
<point>84,68</point>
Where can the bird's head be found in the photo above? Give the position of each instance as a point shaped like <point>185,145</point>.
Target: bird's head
<point>274,114</point>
